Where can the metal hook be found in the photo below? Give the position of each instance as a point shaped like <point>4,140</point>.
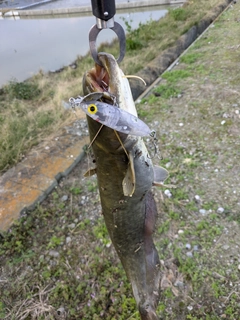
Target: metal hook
<point>118,29</point>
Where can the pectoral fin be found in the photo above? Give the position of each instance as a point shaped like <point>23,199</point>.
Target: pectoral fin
<point>160,175</point>
<point>129,181</point>
<point>90,172</point>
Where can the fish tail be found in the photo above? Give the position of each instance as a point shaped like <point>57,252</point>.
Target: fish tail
<point>148,312</point>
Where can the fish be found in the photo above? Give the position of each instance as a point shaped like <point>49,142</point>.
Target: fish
<point>125,175</point>
<point>111,115</point>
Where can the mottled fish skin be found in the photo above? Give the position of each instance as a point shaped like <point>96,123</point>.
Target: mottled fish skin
<point>130,220</point>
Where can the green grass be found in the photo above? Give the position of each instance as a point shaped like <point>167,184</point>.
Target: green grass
<point>166,91</point>
<point>25,245</point>
<point>190,58</point>
<point>75,190</point>
<point>176,75</point>
<point>22,90</point>
<point>57,275</point>
<point>179,14</point>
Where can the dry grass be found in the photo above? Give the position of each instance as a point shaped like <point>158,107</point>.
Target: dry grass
<point>36,307</point>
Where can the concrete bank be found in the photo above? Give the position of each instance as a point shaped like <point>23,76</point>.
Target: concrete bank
<point>29,182</point>
<point>69,7</point>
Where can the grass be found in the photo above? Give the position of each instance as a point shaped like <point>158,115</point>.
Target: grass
<point>22,91</point>
<point>190,58</point>
<point>32,111</point>
<point>57,278</point>
<point>85,279</point>
<point>58,260</point>
<point>176,75</point>
<point>166,91</point>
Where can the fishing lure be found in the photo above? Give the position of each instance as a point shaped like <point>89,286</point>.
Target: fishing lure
<point>111,116</point>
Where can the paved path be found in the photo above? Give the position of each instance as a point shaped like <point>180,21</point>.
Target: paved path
<point>31,180</point>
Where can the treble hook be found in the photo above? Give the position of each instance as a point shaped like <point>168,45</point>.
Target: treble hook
<point>155,140</point>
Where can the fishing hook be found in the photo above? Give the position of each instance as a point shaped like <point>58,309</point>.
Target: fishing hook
<point>155,140</point>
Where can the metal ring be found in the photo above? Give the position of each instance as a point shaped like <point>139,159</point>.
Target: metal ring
<point>93,33</point>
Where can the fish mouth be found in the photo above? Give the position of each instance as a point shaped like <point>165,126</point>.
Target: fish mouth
<point>97,79</point>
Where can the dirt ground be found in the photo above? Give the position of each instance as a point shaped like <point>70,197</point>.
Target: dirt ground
<point>58,261</point>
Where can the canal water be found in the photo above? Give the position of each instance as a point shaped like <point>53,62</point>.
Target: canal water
<point>48,43</point>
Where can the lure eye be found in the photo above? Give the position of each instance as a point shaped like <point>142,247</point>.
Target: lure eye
<point>92,108</point>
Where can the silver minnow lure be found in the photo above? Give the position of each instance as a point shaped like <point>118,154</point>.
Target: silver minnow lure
<point>111,116</point>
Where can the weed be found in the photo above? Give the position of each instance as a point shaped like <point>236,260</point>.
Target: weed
<point>191,206</point>
<point>190,58</point>
<point>152,99</point>
<point>91,186</point>
<point>166,91</point>
<point>176,75</point>
<point>179,14</point>
<point>44,119</point>
<point>2,308</point>
<point>55,195</point>
<point>54,242</point>
<point>164,227</point>
<point>142,109</point>
<point>179,194</point>
<point>84,224</point>
<point>76,190</point>
<point>101,233</point>
<point>174,215</point>
<point>168,293</point>
<point>133,41</point>
<point>22,90</point>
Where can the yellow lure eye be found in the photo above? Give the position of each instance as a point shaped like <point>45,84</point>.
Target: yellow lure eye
<point>92,108</point>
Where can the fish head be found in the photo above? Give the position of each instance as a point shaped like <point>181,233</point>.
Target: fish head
<point>110,80</point>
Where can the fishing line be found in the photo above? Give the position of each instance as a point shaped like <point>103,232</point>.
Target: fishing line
<point>95,136</point>
<point>89,155</point>
<point>74,111</point>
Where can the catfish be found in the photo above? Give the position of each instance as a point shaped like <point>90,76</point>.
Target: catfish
<point>125,175</point>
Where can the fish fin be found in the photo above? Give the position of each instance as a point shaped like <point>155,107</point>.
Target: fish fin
<point>129,181</point>
<point>90,172</point>
<point>160,174</point>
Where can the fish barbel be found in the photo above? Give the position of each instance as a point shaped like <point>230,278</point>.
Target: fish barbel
<point>125,176</point>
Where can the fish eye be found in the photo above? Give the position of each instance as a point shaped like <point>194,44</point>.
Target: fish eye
<point>92,108</point>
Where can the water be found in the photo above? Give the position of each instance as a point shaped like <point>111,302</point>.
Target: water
<point>51,42</point>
